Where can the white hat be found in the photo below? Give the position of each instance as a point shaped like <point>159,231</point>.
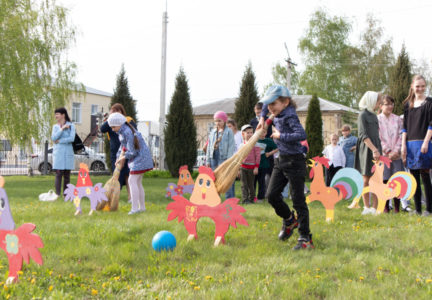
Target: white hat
<point>116,119</point>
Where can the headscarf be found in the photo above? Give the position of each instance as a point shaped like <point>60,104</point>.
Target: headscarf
<point>368,101</point>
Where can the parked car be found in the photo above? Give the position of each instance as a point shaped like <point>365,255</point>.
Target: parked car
<point>95,161</point>
<point>201,159</point>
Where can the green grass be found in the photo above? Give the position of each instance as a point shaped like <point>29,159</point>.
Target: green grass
<point>109,255</point>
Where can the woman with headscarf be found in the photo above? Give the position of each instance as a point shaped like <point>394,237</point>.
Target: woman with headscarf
<point>368,144</point>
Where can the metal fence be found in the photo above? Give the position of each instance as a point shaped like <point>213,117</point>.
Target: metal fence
<point>37,159</point>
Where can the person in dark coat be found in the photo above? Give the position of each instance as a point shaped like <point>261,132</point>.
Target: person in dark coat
<point>115,144</point>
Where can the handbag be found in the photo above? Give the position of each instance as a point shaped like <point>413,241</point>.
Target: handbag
<point>77,144</point>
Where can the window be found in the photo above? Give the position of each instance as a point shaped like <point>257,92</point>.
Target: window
<point>94,109</point>
<point>76,112</point>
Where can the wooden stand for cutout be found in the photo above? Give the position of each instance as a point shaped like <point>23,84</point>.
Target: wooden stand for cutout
<point>400,185</point>
<point>19,244</point>
<point>84,188</point>
<point>205,202</point>
<point>346,184</point>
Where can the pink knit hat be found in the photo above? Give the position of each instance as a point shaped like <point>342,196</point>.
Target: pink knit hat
<point>220,115</point>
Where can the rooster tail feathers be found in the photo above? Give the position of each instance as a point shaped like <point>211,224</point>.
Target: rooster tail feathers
<point>404,184</point>
<point>29,243</point>
<point>348,182</point>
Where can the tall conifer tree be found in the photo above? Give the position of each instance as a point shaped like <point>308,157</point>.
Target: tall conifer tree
<point>180,132</point>
<point>314,126</point>
<point>123,96</point>
<point>244,106</point>
<point>400,80</point>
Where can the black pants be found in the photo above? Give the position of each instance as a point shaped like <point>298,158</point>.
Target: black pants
<point>331,173</point>
<point>58,180</point>
<point>424,174</point>
<point>290,168</point>
<point>247,185</point>
<point>261,180</point>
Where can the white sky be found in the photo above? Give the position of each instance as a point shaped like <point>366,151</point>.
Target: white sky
<point>214,40</point>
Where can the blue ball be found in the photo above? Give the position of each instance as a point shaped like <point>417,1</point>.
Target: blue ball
<point>164,240</point>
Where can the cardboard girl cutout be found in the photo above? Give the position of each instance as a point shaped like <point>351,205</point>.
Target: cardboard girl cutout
<point>85,188</point>
<point>346,184</point>
<point>206,202</point>
<point>19,244</point>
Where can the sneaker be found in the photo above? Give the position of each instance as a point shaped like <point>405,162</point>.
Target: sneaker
<point>366,211</point>
<point>407,209</point>
<point>288,226</point>
<point>372,211</point>
<point>304,242</point>
<point>132,212</point>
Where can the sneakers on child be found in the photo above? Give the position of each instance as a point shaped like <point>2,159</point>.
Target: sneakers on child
<point>304,242</point>
<point>368,211</point>
<point>288,226</point>
<point>133,212</point>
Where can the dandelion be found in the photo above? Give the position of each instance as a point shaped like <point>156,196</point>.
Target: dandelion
<point>50,273</point>
<point>241,281</point>
<point>191,283</point>
<point>208,277</point>
<point>71,275</point>
<point>33,281</point>
<point>317,276</point>
<point>196,288</point>
<point>380,268</point>
<point>418,280</point>
<point>21,272</point>
<point>317,269</point>
<point>5,287</point>
<point>104,285</point>
<point>349,280</point>
<point>117,278</point>
<point>94,292</point>
<point>361,278</point>
<point>50,288</point>
<point>428,280</point>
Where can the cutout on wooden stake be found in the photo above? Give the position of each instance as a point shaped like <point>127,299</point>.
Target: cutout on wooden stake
<point>205,202</point>
<point>400,185</point>
<point>346,184</point>
<point>19,244</point>
<point>185,184</point>
<point>85,188</point>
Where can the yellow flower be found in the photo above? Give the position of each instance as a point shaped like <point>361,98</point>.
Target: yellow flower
<point>208,277</point>
<point>428,280</point>
<point>117,278</point>
<point>71,275</point>
<point>317,269</point>
<point>361,278</point>
<point>380,268</point>
<point>317,276</point>
<point>7,296</point>
<point>418,279</point>
<point>241,281</point>
<point>349,280</point>
<point>191,283</point>
<point>94,292</point>
<point>104,285</point>
<point>50,273</point>
<point>50,288</point>
<point>196,288</point>
<point>5,287</point>
<point>21,272</point>
<point>33,281</point>
<point>34,273</point>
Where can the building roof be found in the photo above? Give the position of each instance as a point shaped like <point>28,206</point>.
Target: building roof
<point>97,92</point>
<point>302,101</point>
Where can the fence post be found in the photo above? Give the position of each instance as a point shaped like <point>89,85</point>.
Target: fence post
<point>45,168</point>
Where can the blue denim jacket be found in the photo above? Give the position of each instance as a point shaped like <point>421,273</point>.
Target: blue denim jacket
<point>291,131</point>
<point>227,144</point>
<point>346,144</point>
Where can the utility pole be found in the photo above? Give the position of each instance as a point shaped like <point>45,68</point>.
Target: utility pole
<point>162,90</point>
<point>290,64</point>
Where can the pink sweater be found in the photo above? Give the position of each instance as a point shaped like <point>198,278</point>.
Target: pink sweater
<point>253,159</point>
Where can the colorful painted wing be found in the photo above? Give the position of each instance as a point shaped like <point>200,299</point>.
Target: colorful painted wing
<point>404,184</point>
<point>348,182</point>
<point>178,208</point>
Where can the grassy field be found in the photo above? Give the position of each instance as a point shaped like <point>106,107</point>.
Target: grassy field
<point>109,255</point>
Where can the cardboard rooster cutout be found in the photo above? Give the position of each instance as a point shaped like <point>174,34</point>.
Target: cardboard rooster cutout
<point>347,184</point>
<point>19,244</point>
<point>84,188</point>
<point>400,185</point>
<point>185,184</point>
<point>205,202</point>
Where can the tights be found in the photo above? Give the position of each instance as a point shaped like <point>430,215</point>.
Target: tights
<point>424,174</point>
<point>58,180</point>
<point>137,192</point>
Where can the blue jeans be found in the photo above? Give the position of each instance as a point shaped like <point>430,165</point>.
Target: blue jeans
<point>214,163</point>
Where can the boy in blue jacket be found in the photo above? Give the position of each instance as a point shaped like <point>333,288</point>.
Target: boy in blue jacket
<point>289,166</point>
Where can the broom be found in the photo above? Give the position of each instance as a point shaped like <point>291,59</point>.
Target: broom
<point>226,173</point>
<point>112,190</point>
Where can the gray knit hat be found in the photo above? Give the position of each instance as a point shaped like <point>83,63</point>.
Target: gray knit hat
<point>116,119</point>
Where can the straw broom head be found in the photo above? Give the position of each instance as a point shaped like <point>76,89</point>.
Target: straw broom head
<point>112,190</point>
<point>226,173</point>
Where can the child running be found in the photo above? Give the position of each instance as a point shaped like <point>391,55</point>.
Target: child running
<point>249,167</point>
<point>138,154</point>
<point>289,166</point>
